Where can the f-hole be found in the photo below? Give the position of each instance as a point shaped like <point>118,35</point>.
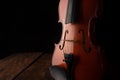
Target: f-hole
<point>83,41</point>
<point>62,46</point>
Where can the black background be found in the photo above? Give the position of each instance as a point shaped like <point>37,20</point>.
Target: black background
<point>32,26</point>
<point>29,26</point>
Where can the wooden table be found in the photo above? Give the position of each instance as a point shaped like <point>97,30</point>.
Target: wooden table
<point>26,66</point>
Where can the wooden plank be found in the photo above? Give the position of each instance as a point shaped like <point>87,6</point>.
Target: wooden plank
<point>12,65</point>
<point>39,70</point>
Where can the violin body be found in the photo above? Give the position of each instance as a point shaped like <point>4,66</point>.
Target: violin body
<point>78,19</point>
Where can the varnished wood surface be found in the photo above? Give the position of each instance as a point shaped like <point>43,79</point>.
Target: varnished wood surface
<point>26,66</point>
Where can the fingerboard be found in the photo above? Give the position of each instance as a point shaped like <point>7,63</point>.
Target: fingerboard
<point>71,15</point>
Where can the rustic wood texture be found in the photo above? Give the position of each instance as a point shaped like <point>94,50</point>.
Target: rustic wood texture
<point>26,66</point>
<point>38,71</point>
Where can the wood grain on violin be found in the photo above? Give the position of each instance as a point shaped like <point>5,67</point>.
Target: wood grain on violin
<point>78,55</point>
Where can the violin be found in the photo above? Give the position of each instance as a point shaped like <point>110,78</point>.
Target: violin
<point>78,55</point>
